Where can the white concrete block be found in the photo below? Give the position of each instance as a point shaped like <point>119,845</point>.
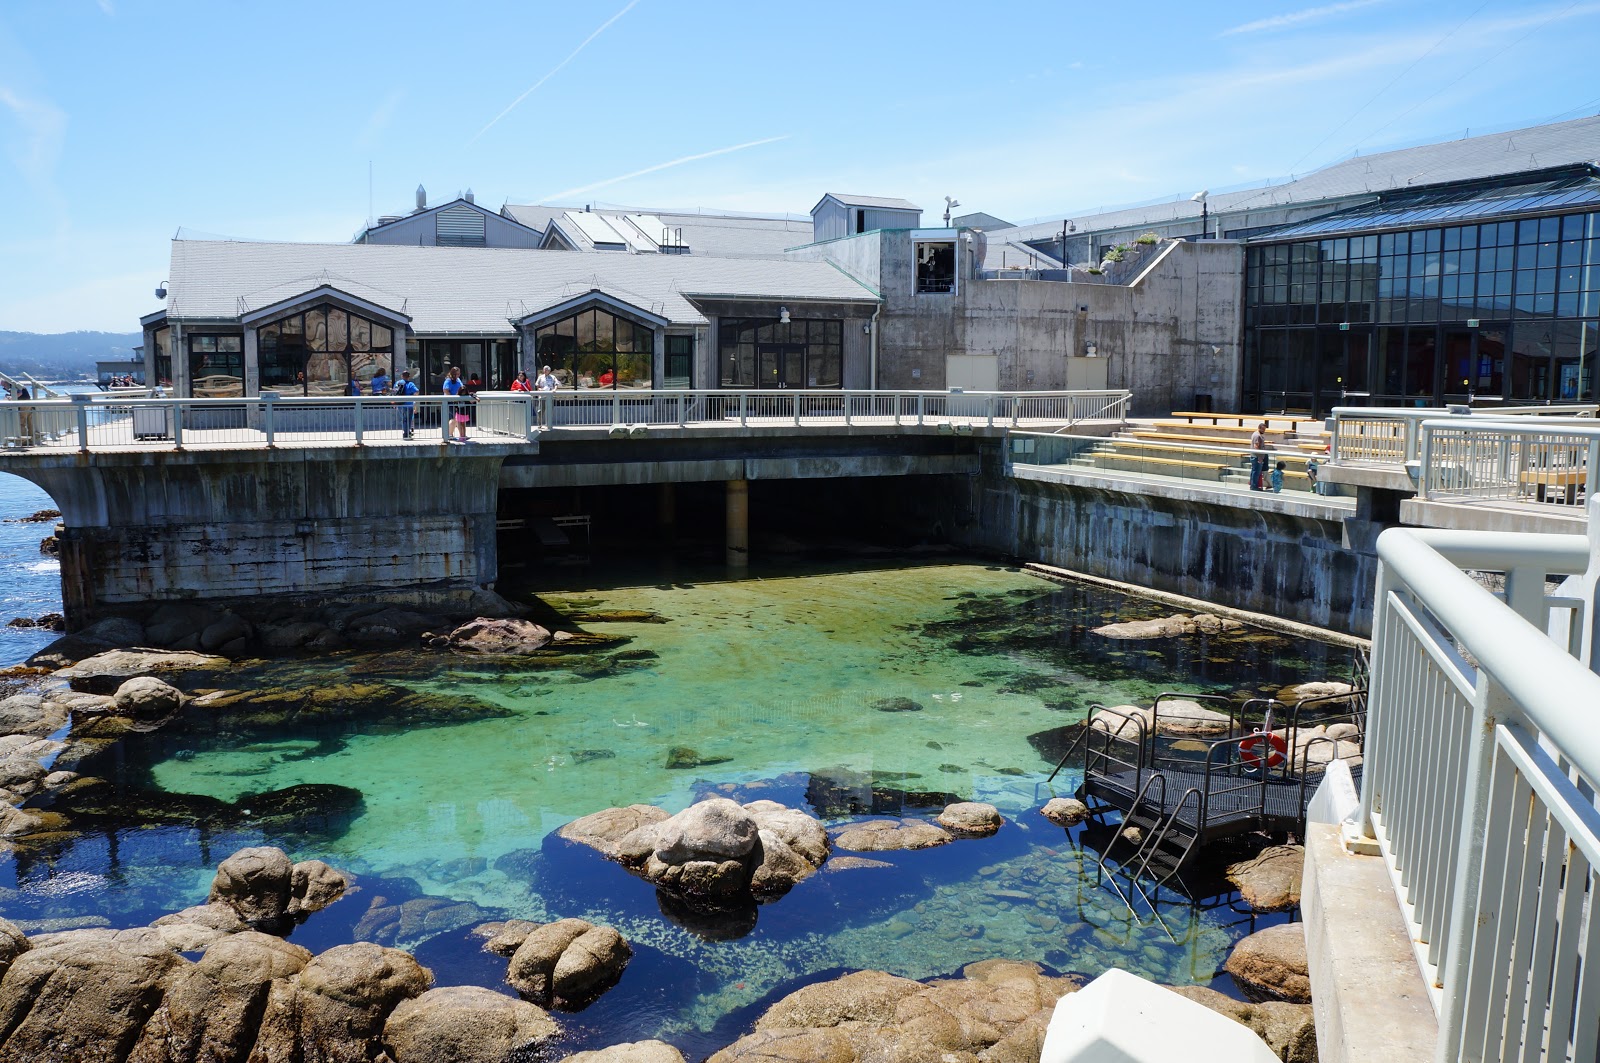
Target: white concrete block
<point>1121,1018</point>
<point>1336,798</point>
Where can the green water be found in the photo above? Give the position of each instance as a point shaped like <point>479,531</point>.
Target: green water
<point>776,678</point>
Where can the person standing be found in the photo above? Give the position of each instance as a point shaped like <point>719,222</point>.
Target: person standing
<point>1277,478</point>
<point>380,382</point>
<point>408,410</point>
<point>1258,458</point>
<point>521,383</point>
<point>547,381</point>
<point>456,388</point>
<point>24,415</point>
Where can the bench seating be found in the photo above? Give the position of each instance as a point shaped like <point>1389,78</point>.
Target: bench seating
<point>1568,479</point>
<point>1106,460</point>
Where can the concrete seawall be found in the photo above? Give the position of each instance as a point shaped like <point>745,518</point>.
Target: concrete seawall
<point>146,527</point>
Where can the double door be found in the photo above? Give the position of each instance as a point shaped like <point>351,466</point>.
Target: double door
<point>780,365</point>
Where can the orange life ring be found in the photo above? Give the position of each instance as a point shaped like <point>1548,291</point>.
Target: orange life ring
<point>1249,750</point>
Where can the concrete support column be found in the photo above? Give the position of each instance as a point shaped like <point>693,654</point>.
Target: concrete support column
<point>738,523</point>
<point>667,507</point>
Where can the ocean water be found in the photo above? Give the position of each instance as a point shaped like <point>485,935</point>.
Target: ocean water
<point>774,683</point>
<point>31,583</point>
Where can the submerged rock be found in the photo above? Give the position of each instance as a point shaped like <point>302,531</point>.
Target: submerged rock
<point>1065,811</point>
<point>1170,627</point>
<point>687,757</point>
<point>900,704</point>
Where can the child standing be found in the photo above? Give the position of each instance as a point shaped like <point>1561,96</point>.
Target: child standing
<point>1277,477</point>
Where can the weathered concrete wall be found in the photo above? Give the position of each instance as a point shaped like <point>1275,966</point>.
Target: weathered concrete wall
<point>158,526</point>
<point>1173,332</point>
<point>1288,565</point>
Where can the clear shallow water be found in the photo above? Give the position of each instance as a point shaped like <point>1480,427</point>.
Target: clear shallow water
<point>779,675</point>
<point>31,583</point>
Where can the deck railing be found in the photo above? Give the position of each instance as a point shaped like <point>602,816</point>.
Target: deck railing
<point>1392,435</point>
<point>99,422</point>
<point>1464,459</point>
<point>1481,769</point>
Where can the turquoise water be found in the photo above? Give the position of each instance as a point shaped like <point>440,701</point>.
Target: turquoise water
<point>774,679</point>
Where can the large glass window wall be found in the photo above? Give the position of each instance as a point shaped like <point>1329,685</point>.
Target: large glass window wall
<point>216,366</point>
<point>161,338</point>
<point>597,349</point>
<point>322,351</point>
<point>768,353</point>
<point>1507,309</point>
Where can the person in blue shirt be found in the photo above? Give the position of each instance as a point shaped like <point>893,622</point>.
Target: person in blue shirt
<point>380,382</point>
<point>408,410</point>
<point>1277,477</point>
<point>455,386</point>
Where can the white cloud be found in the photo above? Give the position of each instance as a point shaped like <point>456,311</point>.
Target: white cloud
<point>1296,18</point>
<point>107,7</point>
<point>35,144</point>
<point>557,196</point>
<point>379,120</point>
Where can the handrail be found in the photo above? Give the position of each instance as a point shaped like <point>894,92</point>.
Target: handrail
<point>1502,460</point>
<point>1479,769</point>
<point>1391,435</point>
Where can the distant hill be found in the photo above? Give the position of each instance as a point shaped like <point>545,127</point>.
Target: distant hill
<point>61,355</point>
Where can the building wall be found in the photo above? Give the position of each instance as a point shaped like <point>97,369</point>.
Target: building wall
<point>1171,334</point>
<point>833,220</point>
<point>856,340</point>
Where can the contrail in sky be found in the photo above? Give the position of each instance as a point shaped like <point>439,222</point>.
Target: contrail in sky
<point>557,69</point>
<point>660,166</point>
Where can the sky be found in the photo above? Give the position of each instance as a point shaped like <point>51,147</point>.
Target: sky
<point>122,121</point>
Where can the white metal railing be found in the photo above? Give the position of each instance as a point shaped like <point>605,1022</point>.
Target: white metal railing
<point>98,422</point>
<point>1466,459</point>
<point>1480,773</point>
<point>1392,435</point>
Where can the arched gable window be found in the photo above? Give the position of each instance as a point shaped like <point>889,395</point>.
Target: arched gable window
<point>596,349</point>
<point>320,351</point>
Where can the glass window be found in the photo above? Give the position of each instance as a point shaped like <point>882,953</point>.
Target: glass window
<point>321,351</point>
<point>763,352</point>
<point>216,367</point>
<point>162,339</point>
<point>595,348</point>
<point>678,372</point>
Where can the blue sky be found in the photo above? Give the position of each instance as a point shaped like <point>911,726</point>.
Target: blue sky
<point>122,120</point>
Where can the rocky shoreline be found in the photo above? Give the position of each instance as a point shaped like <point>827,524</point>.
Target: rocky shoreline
<point>218,982</point>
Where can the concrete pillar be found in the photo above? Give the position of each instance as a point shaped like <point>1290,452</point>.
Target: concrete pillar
<point>738,523</point>
<point>666,507</point>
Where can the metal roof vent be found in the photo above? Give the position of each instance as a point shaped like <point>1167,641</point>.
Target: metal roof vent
<point>468,197</point>
<point>422,198</point>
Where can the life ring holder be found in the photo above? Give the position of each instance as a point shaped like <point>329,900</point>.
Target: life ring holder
<point>1250,750</point>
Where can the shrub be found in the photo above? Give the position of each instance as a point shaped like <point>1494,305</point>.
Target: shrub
<point>1147,239</point>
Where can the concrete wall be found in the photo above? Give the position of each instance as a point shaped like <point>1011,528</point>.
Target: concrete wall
<point>1287,565</point>
<point>1174,332</point>
<point>159,526</point>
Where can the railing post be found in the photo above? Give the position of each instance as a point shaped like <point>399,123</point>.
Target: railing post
<point>1426,465</point>
<point>616,406</point>
<point>444,420</point>
<point>744,409</point>
<point>683,408</point>
<point>922,407</point>
<point>269,402</point>
<point>1469,923</point>
<point>1592,475</point>
<point>528,419</point>
<point>989,401</point>
<point>177,424</point>
<point>847,408</point>
<point>80,408</point>
<point>358,420</point>
<point>795,400</point>
<point>1413,426</point>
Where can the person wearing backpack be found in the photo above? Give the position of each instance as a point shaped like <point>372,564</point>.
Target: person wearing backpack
<point>408,410</point>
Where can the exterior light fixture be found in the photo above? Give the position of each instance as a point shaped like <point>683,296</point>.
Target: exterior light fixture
<point>783,315</point>
<point>161,289</point>
<point>948,204</point>
<point>1200,198</point>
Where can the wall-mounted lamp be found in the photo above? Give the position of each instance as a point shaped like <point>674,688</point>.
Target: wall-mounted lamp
<point>161,289</point>
<point>783,315</point>
<point>866,330</point>
<point>1091,351</point>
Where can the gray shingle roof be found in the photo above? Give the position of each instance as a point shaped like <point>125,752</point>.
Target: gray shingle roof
<point>476,289</point>
<point>1497,154</point>
<point>718,235</point>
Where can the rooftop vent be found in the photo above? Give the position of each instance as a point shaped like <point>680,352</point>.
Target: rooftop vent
<point>422,198</point>
<point>468,197</point>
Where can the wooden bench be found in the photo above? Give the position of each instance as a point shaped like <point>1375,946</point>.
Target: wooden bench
<point>1190,416</point>
<point>1109,460</point>
<point>1569,480</point>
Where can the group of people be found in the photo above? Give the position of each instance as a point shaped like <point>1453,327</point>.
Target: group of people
<point>1263,480</point>
<point>545,381</point>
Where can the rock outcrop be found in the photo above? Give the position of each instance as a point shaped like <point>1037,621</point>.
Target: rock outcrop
<point>1170,627</point>
<point>264,888</point>
<point>1271,964</point>
<point>715,850</point>
<point>466,1024</point>
<point>567,963</point>
<point>886,835</point>
<point>1288,1029</point>
<point>1175,718</point>
<point>1270,880</point>
<point>502,636</point>
<point>1065,811</point>
<point>970,819</point>
<point>996,1012</point>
